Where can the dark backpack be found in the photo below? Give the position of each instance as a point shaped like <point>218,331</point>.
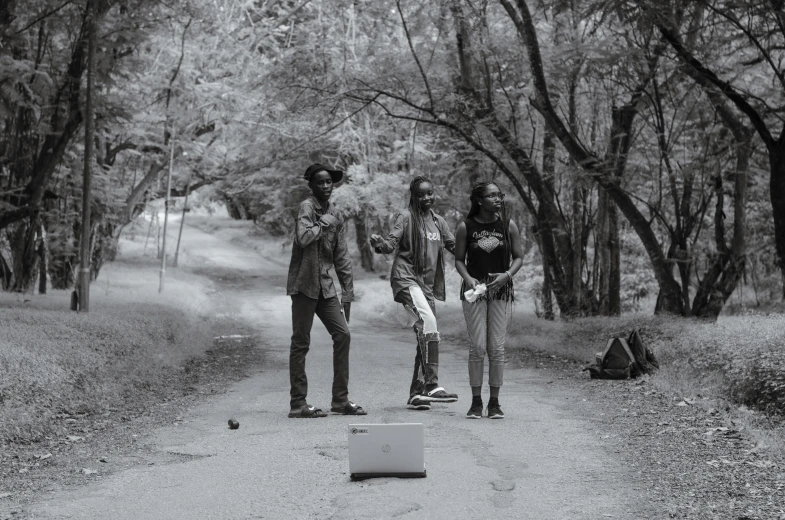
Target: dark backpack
<point>645,361</point>
<point>615,362</point>
<point>623,359</point>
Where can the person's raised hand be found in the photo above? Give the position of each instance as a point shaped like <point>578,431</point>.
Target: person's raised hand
<point>328,221</point>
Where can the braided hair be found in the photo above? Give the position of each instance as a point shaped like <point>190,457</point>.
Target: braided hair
<point>418,224</point>
<point>478,192</point>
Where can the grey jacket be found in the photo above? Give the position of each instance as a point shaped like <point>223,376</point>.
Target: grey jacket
<point>403,266</point>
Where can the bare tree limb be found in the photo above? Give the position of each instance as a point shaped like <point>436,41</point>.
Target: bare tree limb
<point>705,77</point>
<point>751,37</point>
<point>43,17</point>
<point>414,54</point>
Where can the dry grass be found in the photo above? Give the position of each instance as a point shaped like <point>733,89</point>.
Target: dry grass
<point>55,361</point>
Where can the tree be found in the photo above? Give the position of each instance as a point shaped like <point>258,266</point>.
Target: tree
<point>762,25</point>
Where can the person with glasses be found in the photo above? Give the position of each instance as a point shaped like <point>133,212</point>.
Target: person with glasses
<point>488,252</point>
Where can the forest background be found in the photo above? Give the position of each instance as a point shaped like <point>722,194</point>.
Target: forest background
<point>640,142</point>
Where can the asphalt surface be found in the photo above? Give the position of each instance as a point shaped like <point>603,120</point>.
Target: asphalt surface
<point>543,461</point>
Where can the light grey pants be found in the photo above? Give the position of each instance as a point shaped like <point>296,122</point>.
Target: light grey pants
<point>486,323</point>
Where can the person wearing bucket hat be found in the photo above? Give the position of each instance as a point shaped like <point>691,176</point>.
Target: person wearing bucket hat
<point>320,246</point>
<point>335,175</point>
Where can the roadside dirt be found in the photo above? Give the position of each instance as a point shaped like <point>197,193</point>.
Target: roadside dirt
<point>696,458</point>
<point>113,442</point>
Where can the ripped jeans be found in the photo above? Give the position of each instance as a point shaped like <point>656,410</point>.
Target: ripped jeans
<point>426,361</point>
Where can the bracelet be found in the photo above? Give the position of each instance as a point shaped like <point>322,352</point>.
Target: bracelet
<point>509,276</point>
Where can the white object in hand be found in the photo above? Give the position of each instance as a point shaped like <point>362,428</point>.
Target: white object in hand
<point>472,294</point>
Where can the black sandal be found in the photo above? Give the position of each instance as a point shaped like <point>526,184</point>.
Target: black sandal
<point>307,412</point>
<point>349,409</point>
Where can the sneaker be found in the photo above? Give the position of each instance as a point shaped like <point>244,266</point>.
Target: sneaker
<point>475,412</point>
<point>416,402</point>
<point>494,410</point>
<point>439,395</point>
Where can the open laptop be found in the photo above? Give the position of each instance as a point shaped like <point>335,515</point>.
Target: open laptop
<point>386,450</point>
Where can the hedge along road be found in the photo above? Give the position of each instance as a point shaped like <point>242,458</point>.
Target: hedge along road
<point>542,461</point>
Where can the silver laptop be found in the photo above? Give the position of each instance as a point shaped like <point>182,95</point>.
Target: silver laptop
<point>386,450</point>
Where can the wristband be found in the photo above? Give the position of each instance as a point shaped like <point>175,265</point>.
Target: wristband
<point>509,276</point>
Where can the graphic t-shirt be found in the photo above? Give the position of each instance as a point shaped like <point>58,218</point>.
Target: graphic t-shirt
<point>487,252</point>
<point>433,245</point>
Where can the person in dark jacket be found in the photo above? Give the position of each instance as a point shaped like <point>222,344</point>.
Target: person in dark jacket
<point>488,252</point>
<point>319,246</point>
<point>419,237</point>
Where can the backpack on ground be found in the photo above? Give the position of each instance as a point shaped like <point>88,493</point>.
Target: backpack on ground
<point>623,359</point>
<point>645,361</point>
<point>615,362</point>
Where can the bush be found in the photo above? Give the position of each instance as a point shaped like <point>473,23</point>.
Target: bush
<point>738,358</point>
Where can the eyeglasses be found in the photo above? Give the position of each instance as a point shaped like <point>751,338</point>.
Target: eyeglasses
<point>497,196</point>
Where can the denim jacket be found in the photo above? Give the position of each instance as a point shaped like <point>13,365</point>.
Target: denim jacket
<point>315,252</point>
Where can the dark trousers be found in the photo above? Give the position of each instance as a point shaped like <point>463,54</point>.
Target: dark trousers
<point>426,368</point>
<point>426,360</point>
<point>329,312</point>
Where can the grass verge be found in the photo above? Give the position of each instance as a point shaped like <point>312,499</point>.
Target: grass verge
<point>58,362</point>
<point>736,359</point>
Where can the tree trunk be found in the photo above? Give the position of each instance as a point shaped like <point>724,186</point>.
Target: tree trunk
<point>777,195</point>
<point>614,264</point>
<point>609,295</point>
<point>604,254</point>
<point>547,293</point>
<point>84,242</point>
<point>43,265</point>
<point>551,260</point>
<point>578,248</point>
<point>361,231</point>
<point>723,276</point>
<point>235,208</point>
<point>5,274</point>
<point>24,255</point>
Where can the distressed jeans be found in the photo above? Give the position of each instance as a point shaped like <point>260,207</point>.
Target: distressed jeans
<point>426,360</point>
<point>486,323</point>
<point>329,312</point>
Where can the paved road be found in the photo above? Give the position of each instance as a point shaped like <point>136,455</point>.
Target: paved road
<point>541,462</point>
